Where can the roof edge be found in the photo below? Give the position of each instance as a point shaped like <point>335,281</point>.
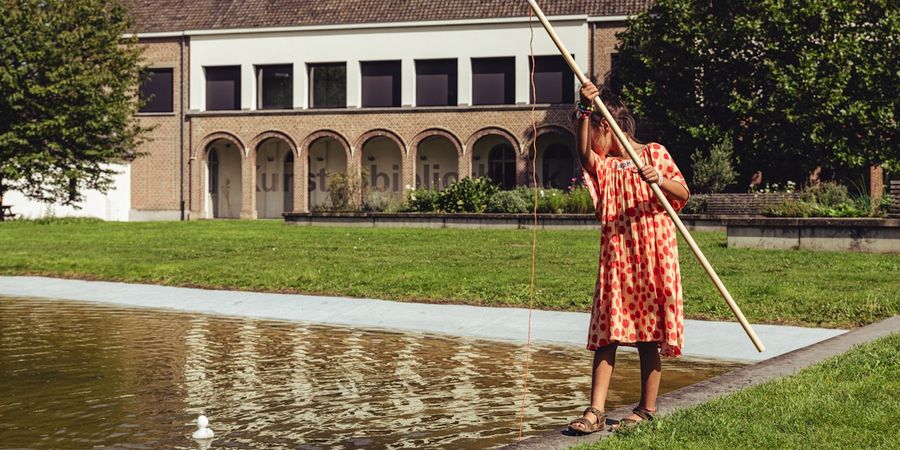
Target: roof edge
<point>371,25</point>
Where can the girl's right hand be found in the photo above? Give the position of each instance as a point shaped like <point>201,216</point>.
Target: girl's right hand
<point>588,91</point>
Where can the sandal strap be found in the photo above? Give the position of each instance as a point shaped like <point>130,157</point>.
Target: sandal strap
<point>600,414</point>
<point>643,413</point>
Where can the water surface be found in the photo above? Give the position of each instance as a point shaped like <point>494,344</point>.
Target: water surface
<point>78,375</point>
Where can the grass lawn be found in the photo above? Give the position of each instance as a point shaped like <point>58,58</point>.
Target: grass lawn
<point>487,267</point>
<point>849,401</point>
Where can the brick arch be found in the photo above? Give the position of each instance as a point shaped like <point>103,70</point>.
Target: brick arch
<point>380,132</point>
<point>546,129</point>
<point>502,132</point>
<point>272,134</point>
<point>414,143</point>
<point>200,149</point>
<point>316,135</point>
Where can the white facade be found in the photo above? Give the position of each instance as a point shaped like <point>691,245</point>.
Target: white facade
<point>353,46</point>
<point>114,205</point>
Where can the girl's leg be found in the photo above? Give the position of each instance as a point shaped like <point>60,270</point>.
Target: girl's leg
<point>604,363</point>
<point>651,372</point>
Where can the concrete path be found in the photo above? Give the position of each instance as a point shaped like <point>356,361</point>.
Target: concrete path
<point>703,339</point>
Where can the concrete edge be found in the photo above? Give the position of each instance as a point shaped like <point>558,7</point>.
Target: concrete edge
<point>728,383</point>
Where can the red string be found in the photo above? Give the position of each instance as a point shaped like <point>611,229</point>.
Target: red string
<point>534,223</point>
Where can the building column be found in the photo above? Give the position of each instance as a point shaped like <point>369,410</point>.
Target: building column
<point>301,182</point>
<point>876,184</point>
<point>248,186</point>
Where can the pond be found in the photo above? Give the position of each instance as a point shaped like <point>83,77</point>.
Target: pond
<point>78,375</point>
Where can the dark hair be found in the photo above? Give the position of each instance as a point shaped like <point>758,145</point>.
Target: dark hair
<point>616,107</point>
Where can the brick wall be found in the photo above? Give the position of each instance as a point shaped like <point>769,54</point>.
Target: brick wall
<point>156,175</point>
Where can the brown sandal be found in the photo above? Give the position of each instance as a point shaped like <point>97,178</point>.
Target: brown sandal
<point>643,413</point>
<point>589,427</point>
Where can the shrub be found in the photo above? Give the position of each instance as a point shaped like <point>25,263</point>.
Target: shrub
<point>696,204</point>
<point>508,202</point>
<point>382,202</point>
<point>579,201</point>
<point>713,172</point>
<point>422,200</point>
<point>344,191</point>
<point>791,208</point>
<point>467,195</point>
<point>551,201</point>
<point>828,194</point>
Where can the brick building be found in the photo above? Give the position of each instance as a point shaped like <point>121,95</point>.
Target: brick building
<point>256,102</point>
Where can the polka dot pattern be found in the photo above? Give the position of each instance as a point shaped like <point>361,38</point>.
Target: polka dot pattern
<point>638,294</point>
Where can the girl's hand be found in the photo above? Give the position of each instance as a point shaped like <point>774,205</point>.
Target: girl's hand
<point>650,174</point>
<point>588,91</point>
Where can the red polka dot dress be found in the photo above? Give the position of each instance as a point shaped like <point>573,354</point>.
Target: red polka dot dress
<point>638,293</point>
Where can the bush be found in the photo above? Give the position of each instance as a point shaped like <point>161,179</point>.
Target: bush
<point>344,192</point>
<point>825,200</point>
<point>508,202</point>
<point>551,201</point>
<point>713,172</point>
<point>579,201</point>
<point>467,195</point>
<point>827,194</point>
<point>422,200</point>
<point>696,204</point>
<point>382,202</point>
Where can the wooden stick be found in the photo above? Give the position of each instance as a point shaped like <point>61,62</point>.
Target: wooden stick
<point>656,190</point>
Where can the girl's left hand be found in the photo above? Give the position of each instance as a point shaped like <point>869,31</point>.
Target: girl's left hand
<point>650,174</point>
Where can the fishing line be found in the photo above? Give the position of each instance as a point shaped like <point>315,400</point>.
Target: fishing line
<point>534,222</point>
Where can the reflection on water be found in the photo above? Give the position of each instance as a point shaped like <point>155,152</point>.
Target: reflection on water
<point>77,375</point>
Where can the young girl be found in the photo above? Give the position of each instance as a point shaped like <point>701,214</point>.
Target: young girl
<point>637,299</point>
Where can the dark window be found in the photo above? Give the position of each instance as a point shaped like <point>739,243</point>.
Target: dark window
<point>493,81</point>
<point>223,88</point>
<point>558,167</point>
<point>156,91</point>
<point>328,85</point>
<point>275,87</point>
<point>502,165</point>
<point>553,80</point>
<point>380,83</point>
<point>436,82</point>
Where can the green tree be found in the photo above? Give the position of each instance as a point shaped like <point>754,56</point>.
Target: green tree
<point>67,96</point>
<point>795,84</point>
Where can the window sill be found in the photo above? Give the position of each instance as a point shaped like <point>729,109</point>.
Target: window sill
<point>392,110</point>
<point>155,114</point>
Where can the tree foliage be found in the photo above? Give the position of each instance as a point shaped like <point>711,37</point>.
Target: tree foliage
<point>67,96</point>
<point>796,84</point>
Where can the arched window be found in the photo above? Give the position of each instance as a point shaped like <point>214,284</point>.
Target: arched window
<point>213,163</point>
<point>502,165</point>
<point>558,167</point>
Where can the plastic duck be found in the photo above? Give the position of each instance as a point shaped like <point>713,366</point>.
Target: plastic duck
<point>202,431</point>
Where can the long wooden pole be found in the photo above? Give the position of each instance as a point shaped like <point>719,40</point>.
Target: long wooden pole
<point>656,190</point>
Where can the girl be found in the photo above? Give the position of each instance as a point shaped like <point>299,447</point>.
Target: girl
<point>637,299</point>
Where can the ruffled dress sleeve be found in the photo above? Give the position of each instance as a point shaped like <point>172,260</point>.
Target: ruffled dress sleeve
<point>668,169</point>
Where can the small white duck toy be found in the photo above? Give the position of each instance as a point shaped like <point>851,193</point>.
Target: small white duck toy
<point>202,431</point>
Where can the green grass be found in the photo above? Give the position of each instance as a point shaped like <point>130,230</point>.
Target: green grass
<point>488,267</point>
<point>849,401</point>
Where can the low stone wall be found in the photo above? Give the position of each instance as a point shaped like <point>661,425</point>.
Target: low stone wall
<point>508,221</point>
<point>834,234</point>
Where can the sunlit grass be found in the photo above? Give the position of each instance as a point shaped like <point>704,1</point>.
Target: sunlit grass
<point>485,267</point>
